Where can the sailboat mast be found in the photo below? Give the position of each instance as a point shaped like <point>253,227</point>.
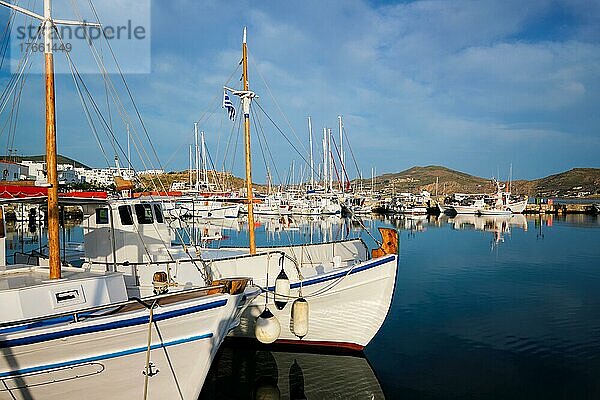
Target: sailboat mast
<point>325,159</point>
<point>342,167</point>
<point>196,156</point>
<point>204,168</point>
<point>330,156</point>
<point>246,109</point>
<point>312,162</point>
<point>52,174</point>
<point>190,170</point>
<point>128,153</point>
<point>51,157</point>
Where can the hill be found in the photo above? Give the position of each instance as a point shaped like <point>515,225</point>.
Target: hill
<point>578,182</point>
<point>575,182</point>
<point>157,182</point>
<point>418,178</point>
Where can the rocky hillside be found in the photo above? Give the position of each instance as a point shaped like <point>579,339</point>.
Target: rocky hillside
<point>222,180</point>
<point>578,182</point>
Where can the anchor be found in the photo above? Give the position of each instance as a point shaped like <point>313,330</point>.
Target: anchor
<point>151,372</point>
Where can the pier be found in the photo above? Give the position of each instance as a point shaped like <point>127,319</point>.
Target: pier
<point>561,208</point>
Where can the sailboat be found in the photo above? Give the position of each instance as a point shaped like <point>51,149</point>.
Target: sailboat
<point>349,290</point>
<point>201,200</point>
<point>79,332</point>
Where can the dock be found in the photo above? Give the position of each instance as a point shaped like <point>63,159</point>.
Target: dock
<point>562,209</point>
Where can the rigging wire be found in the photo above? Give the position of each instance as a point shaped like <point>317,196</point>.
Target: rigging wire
<point>137,141</point>
<point>280,109</point>
<point>204,116</point>
<point>351,152</point>
<point>280,131</point>
<point>126,85</point>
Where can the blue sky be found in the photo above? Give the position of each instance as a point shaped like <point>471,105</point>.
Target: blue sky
<point>471,85</point>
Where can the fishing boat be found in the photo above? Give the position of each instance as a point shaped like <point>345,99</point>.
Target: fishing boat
<point>70,332</point>
<point>494,211</point>
<point>336,279</point>
<point>348,288</point>
<point>500,203</point>
<point>468,205</point>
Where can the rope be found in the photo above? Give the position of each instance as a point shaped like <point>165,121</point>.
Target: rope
<point>319,292</point>
<point>148,348</point>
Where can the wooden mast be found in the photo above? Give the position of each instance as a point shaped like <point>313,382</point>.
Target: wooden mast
<point>246,110</point>
<point>52,174</point>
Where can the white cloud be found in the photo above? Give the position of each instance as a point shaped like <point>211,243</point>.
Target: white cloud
<point>418,83</point>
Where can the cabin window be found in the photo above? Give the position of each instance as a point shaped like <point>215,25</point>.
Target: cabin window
<point>158,213</point>
<point>101,216</point>
<point>125,215</point>
<point>144,213</point>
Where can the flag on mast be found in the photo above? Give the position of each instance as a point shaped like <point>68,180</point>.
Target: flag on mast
<point>227,104</point>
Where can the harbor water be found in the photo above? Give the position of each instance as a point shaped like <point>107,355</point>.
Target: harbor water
<point>484,307</point>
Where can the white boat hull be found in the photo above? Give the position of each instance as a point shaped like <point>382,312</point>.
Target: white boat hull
<point>347,304</point>
<point>517,207</point>
<point>494,212</point>
<point>465,209</point>
<point>104,357</point>
<point>211,212</point>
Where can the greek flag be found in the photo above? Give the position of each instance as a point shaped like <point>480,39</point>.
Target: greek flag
<point>229,106</point>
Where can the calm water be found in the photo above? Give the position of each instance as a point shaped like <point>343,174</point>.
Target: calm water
<point>484,308</point>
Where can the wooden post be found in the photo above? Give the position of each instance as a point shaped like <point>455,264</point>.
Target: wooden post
<point>51,171</point>
<point>246,109</point>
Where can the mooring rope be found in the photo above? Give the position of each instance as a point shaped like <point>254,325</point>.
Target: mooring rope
<point>147,369</point>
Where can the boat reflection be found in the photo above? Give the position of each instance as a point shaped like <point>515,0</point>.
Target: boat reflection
<point>410,223</point>
<point>201,231</point>
<point>243,372</point>
<point>499,225</point>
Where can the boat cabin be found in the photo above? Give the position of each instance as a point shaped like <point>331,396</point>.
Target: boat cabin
<point>125,231</point>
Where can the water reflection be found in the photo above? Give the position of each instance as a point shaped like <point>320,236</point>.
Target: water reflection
<point>244,372</point>
<point>520,322</point>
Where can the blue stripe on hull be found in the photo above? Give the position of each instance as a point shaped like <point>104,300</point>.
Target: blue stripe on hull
<point>108,326</point>
<point>103,356</point>
<point>313,281</point>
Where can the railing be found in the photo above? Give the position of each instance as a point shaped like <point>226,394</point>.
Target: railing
<point>76,315</point>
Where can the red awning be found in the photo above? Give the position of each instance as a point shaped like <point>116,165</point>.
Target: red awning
<point>19,192</point>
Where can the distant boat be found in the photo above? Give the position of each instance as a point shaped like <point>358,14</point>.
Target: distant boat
<point>494,211</point>
<point>499,203</point>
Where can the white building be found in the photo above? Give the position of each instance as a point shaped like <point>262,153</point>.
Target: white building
<point>10,171</point>
<point>67,174</point>
<point>97,176</point>
<point>36,170</point>
<point>152,172</point>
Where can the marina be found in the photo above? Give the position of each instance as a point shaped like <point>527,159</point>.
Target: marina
<point>463,322</point>
<point>183,211</point>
